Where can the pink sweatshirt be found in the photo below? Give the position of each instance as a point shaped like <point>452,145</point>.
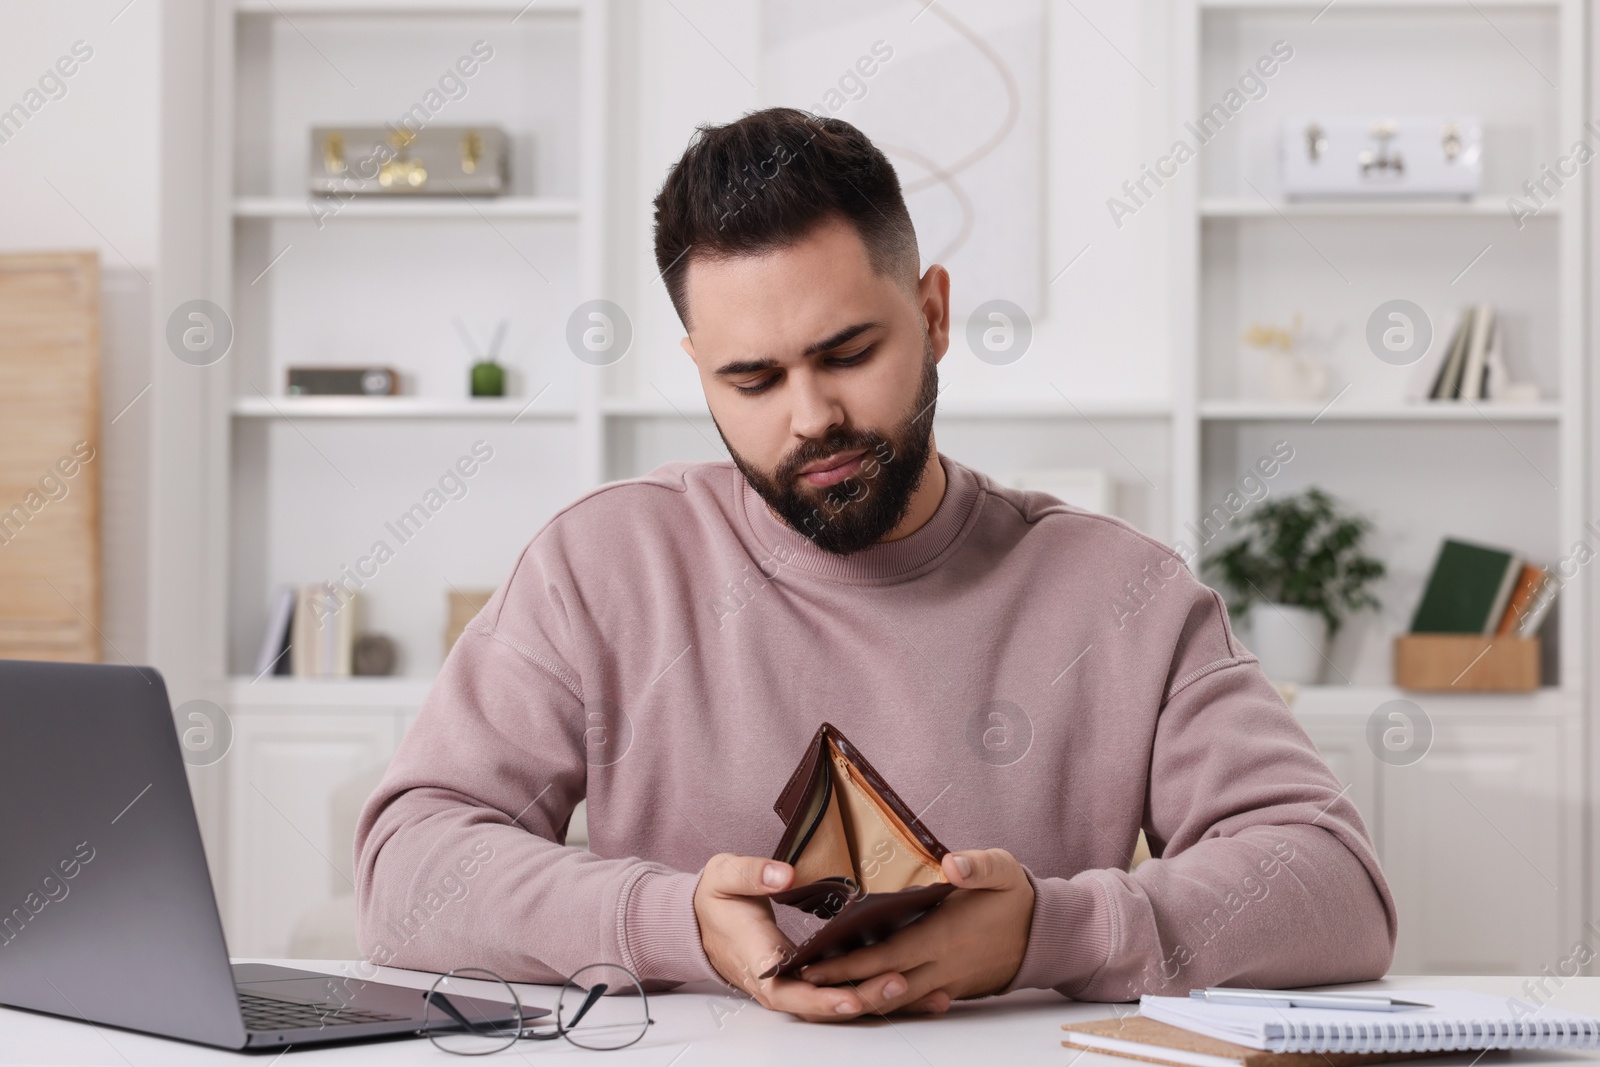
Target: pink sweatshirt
<point>1026,675</point>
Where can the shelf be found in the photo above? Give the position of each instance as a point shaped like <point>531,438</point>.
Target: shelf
<point>499,409</point>
<point>1314,6</point>
<point>652,408</point>
<point>1052,406</point>
<point>438,8</point>
<point>1363,700</point>
<point>1257,208</point>
<point>277,691</point>
<point>998,408</point>
<point>382,206</point>
<point>1442,411</point>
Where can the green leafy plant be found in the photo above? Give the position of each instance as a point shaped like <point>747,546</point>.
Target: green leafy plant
<point>1299,550</point>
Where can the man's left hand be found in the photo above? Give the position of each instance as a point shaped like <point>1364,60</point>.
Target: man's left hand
<point>971,945</point>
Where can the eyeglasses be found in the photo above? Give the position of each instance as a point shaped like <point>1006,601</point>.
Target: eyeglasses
<point>474,1012</point>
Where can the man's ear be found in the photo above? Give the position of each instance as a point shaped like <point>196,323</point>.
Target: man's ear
<point>933,303</point>
<point>688,346</point>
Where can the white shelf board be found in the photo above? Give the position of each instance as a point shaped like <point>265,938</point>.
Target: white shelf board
<point>1363,700</point>
<point>1051,406</point>
<point>996,408</point>
<point>277,691</point>
<point>1225,207</point>
<point>299,209</point>
<point>395,407</point>
<point>1314,6</point>
<point>1440,411</point>
<point>516,8</point>
<point>643,407</point>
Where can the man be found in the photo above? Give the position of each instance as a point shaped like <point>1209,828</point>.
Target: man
<point>667,646</point>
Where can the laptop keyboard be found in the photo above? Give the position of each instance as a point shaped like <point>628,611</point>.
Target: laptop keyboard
<point>268,1014</point>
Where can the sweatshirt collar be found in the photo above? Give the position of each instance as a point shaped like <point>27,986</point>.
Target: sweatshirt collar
<point>886,560</point>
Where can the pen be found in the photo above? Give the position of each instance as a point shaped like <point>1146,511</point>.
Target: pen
<point>1285,998</point>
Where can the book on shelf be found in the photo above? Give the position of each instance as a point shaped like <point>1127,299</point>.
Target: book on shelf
<point>1467,591</point>
<point>1475,589</point>
<point>273,656</point>
<point>1524,597</point>
<point>1472,365</point>
<point>1471,387</point>
<point>319,632</point>
<point>1537,611</point>
<point>1449,363</point>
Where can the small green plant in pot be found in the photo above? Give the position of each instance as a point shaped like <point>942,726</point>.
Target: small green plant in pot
<point>1296,571</point>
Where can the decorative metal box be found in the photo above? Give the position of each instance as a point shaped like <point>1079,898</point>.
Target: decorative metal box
<point>1401,156</point>
<point>396,160</point>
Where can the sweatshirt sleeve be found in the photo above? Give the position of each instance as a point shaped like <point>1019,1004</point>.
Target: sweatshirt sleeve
<point>459,853</point>
<point>1263,873</point>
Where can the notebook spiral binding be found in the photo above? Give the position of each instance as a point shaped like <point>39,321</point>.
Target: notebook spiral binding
<point>1398,1035</point>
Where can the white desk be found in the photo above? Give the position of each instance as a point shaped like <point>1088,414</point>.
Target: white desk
<point>706,1028</point>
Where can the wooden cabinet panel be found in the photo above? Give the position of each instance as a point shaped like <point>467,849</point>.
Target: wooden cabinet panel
<point>49,437</point>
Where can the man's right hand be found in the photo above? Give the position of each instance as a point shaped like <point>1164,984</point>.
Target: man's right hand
<point>742,940</point>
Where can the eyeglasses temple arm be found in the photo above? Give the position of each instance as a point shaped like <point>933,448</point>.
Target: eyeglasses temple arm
<point>443,1003</point>
<point>595,993</point>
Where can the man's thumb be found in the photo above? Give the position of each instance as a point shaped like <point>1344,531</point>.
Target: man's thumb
<point>978,868</point>
<point>746,876</point>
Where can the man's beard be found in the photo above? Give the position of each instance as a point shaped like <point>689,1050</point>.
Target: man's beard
<point>850,515</point>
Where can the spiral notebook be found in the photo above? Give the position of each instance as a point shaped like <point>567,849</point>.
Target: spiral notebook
<point>1138,1038</point>
<point>1458,1020</point>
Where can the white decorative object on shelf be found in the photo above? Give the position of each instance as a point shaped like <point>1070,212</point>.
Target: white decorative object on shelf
<point>1290,641</point>
<point>1290,377</point>
<point>1379,155</point>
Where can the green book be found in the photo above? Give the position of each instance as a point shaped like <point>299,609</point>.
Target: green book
<point>1467,590</point>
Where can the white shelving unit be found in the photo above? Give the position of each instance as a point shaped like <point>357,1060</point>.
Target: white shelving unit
<point>1506,781</point>
<point>292,487</point>
<point>377,281</point>
<point>302,273</point>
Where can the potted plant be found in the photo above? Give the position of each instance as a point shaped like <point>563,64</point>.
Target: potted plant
<point>487,377</point>
<point>1293,574</point>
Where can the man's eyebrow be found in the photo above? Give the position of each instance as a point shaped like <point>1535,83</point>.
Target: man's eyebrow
<point>836,340</point>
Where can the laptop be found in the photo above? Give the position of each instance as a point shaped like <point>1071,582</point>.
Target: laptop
<point>106,908</point>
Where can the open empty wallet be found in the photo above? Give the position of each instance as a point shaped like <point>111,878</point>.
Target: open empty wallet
<point>861,859</point>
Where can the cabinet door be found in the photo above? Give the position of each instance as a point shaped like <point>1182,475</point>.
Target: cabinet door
<point>287,857</point>
<point>1480,848</point>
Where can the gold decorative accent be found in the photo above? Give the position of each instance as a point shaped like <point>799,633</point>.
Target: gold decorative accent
<point>403,172</point>
<point>471,151</point>
<point>400,170</point>
<point>333,152</point>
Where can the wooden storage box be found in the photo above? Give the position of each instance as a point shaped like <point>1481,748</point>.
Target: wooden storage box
<point>1466,663</point>
<point>464,606</point>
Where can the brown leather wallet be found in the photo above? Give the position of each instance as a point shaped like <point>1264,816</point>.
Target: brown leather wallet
<point>861,859</point>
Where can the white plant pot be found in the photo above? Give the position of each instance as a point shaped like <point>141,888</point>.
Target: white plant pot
<point>1291,642</point>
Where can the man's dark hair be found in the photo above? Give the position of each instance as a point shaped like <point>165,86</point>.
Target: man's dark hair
<point>765,182</point>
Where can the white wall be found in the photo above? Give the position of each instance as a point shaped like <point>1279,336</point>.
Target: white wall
<point>1102,325</point>
<point>81,173</point>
